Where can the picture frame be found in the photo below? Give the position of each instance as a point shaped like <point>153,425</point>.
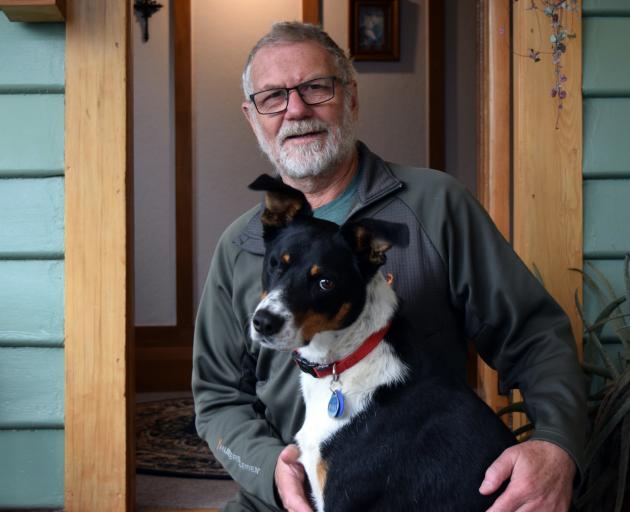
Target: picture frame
<point>374,30</point>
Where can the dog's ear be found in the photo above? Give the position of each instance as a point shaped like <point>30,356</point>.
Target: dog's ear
<point>372,238</point>
<point>283,204</point>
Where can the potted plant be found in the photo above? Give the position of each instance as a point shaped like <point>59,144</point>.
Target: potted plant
<point>604,485</point>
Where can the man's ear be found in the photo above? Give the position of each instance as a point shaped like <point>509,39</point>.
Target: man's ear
<point>372,238</point>
<point>246,108</point>
<point>283,204</point>
<point>352,87</point>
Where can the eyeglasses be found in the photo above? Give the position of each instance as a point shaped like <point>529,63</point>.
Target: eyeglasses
<point>312,92</point>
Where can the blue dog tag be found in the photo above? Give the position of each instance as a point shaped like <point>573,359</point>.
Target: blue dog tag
<point>335,405</point>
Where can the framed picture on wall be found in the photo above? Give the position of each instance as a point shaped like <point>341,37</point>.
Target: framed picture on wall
<point>374,30</point>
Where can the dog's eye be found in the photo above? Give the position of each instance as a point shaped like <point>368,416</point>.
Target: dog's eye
<point>326,285</point>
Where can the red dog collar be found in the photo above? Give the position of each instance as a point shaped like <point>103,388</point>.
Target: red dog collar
<point>317,370</point>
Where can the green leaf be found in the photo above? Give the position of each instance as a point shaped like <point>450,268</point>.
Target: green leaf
<point>515,407</point>
<point>602,278</point>
<point>604,355</point>
<point>592,369</point>
<point>521,430</point>
<point>604,317</point>
<point>622,481</point>
<point>537,273</point>
<point>589,282</point>
<point>595,327</point>
<point>598,439</point>
<point>624,333</point>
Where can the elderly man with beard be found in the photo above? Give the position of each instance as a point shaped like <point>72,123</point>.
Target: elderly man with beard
<point>457,280</point>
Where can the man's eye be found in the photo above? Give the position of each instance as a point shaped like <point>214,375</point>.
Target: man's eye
<point>273,96</point>
<point>326,285</point>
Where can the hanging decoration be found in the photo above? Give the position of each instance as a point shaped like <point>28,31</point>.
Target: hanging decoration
<point>560,14</point>
<point>144,9</point>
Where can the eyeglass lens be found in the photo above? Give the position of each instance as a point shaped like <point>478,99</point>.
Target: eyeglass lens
<point>312,92</point>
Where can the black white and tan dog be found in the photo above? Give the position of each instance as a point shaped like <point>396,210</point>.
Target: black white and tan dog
<point>380,433</point>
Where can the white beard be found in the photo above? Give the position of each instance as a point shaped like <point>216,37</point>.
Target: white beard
<point>314,158</point>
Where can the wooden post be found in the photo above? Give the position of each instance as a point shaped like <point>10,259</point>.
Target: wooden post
<point>548,154</point>
<point>99,393</point>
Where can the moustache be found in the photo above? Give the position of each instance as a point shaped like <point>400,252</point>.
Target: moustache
<point>297,128</point>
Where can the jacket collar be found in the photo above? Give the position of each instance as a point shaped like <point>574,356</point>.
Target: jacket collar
<point>377,181</point>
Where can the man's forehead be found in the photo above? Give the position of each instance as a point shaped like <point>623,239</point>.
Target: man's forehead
<point>288,64</point>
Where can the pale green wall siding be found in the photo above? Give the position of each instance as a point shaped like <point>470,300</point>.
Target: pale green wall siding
<point>32,136</point>
<point>31,264</point>
<point>28,479</point>
<point>31,303</point>
<point>32,217</point>
<point>606,90</point>
<point>606,135</point>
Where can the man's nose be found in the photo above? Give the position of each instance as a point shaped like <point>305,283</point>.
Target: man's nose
<point>296,108</point>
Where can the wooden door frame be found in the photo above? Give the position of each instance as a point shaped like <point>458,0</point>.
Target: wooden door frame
<point>99,384</point>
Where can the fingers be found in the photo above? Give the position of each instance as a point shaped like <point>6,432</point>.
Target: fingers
<point>498,472</point>
<point>290,480</point>
<point>290,454</point>
<point>509,501</point>
<point>540,478</point>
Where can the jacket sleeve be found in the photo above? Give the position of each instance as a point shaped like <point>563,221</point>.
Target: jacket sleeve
<point>517,327</point>
<point>223,384</point>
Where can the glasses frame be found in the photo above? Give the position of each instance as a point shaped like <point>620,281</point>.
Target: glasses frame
<point>296,89</point>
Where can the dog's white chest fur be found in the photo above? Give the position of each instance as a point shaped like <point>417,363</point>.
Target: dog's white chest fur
<point>380,367</point>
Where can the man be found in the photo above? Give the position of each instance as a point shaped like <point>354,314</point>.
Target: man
<point>457,280</point>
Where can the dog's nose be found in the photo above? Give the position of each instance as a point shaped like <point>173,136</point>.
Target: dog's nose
<point>267,323</point>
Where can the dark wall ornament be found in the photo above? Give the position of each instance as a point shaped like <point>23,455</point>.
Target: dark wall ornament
<point>374,29</point>
<point>144,9</point>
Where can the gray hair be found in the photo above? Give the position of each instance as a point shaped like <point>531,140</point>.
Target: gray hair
<point>285,32</point>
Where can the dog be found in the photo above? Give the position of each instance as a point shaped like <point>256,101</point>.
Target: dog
<point>379,434</point>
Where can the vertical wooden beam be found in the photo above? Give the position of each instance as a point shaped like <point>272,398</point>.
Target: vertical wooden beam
<point>548,160</point>
<point>494,162</point>
<point>183,164</point>
<point>435,84</point>
<point>99,392</point>
<point>547,156</point>
<point>312,11</point>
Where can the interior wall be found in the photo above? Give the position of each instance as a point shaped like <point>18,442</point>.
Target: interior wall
<point>154,178</point>
<point>460,93</point>
<point>226,156</point>
<point>392,95</point>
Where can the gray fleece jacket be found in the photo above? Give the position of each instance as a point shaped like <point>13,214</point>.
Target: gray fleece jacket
<point>457,280</point>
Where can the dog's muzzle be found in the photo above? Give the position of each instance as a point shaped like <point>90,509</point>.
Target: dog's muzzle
<point>267,323</point>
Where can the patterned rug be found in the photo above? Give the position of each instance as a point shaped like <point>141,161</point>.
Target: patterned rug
<point>167,443</point>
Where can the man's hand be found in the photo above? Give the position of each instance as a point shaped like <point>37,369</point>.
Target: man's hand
<point>541,478</point>
<point>291,479</point>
